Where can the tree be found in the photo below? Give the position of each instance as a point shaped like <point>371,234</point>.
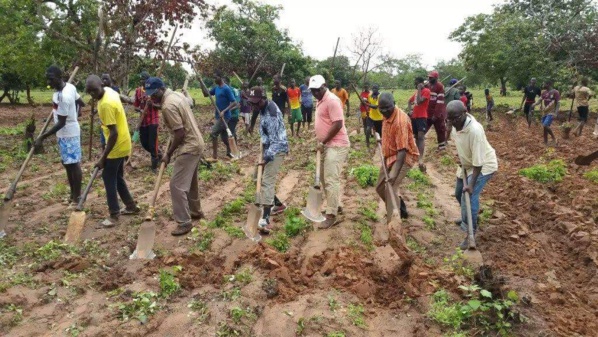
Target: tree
<point>408,68</point>
<point>174,75</point>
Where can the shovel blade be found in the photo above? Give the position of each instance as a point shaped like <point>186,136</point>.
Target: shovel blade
<point>75,227</point>
<point>250,228</point>
<point>4,213</point>
<point>145,242</point>
<point>234,149</point>
<point>473,257</point>
<point>313,208</point>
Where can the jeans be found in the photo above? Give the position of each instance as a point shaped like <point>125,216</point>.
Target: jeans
<point>148,137</point>
<point>115,184</point>
<point>475,199</point>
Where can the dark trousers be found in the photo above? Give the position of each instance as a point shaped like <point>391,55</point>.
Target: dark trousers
<point>148,137</point>
<point>232,125</point>
<point>440,126</point>
<point>115,184</point>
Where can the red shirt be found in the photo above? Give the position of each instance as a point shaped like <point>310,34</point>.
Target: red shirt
<point>464,99</point>
<point>151,117</point>
<point>436,107</point>
<point>421,110</point>
<point>362,107</point>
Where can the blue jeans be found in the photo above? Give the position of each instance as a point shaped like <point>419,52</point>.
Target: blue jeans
<point>475,199</point>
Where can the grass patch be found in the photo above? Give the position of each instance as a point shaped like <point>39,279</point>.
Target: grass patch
<point>243,277</point>
<point>356,315</point>
<point>369,211</point>
<point>218,171</point>
<point>592,175</point>
<point>458,265</point>
<point>419,177</point>
<point>8,254</point>
<point>168,283</point>
<point>52,250</point>
<point>366,175</point>
<point>238,315</point>
<point>280,242</point>
<point>447,160</point>
<point>429,223</point>
<point>200,308</point>
<point>366,235</point>
<point>552,172</point>
<point>414,246</point>
<point>234,231</point>
<point>294,224</point>
<point>58,190</point>
<point>203,241</point>
<point>142,305</point>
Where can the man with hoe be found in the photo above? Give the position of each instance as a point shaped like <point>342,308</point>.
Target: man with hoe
<point>420,101</point>
<point>342,94</point>
<point>225,101</point>
<point>117,150</point>
<point>186,148</point>
<point>374,115</point>
<point>333,141</point>
<point>476,156</point>
<point>67,130</point>
<point>529,97</point>
<point>275,147</point>
<point>398,148</point>
<point>582,95</point>
<point>551,98</point>
<point>294,96</point>
<point>436,109</point>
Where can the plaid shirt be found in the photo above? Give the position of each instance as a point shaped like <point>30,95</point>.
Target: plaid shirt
<point>151,117</point>
<point>397,134</point>
<point>272,131</point>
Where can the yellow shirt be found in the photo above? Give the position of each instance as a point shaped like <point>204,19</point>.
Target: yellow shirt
<point>111,112</point>
<point>342,94</point>
<point>375,114</point>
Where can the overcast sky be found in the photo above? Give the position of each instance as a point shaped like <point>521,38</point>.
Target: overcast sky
<point>405,26</point>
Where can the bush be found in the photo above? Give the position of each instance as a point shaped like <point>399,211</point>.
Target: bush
<point>592,176</point>
<point>553,172</point>
<point>366,175</point>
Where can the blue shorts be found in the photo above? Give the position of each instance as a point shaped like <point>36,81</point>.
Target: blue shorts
<point>70,150</point>
<point>547,120</point>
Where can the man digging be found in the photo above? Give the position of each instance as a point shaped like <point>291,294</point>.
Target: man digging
<point>225,101</point>
<point>398,148</point>
<point>117,150</point>
<point>478,159</point>
<point>582,94</point>
<point>186,148</point>
<point>334,144</point>
<point>275,147</point>
<point>420,101</point>
<point>552,102</point>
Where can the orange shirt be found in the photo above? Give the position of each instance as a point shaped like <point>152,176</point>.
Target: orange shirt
<point>342,94</point>
<point>397,134</point>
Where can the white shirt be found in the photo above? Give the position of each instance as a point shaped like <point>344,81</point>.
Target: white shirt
<point>473,148</point>
<point>64,105</point>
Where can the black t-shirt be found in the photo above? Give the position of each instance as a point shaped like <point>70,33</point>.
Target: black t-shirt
<point>280,98</point>
<point>531,93</point>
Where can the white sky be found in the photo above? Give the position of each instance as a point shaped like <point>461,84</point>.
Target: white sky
<point>405,26</point>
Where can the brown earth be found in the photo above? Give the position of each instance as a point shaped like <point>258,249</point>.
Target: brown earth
<point>540,241</point>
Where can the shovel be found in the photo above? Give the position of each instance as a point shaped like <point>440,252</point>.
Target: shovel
<point>471,254</point>
<point>147,231</point>
<point>77,219</point>
<point>314,198</point>
<point>393,216</point>
<point>586,160</point>
<point>7,202</point>
<point>231,140</point>
<point>255,212</point>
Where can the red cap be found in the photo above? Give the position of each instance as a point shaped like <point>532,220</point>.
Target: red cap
<point>433,74</point>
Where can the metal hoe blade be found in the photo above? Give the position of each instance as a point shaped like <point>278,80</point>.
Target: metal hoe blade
<point>145,242</point>
<point>250,227</point>
<point>75,227</point>
<point>314,205</point>
<point>4,213</point>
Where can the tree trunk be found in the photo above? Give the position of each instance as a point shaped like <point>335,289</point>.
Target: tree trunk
<point>3,95</point>
<point>503,86</point>
<point>29,99</point>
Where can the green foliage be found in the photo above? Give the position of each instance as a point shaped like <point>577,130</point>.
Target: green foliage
<point>280,242</point>
<point>369,211</point>
<point>553,172</point>
<point>366,235</point>
<point>332,303</point>
<point>231,295</point>
<point>168,282</point>
<point>234,207</point>
<point>414,246</point>
<point>592,175</point>
<point>234,232</point>
<point>429,223</point>
<point>366,175</point>
<point>200,308</point>
<point>356,315</point>
<point>238,314</point>
<point>447,160</point>
<point>243,277</point>
<point>335,334</point>
<point>203,241</point>
<point>294,224</point>
<point>9,254</point>
<point>420,180</point>
<point>142,305</point>
<point>52,250</point>
<point>58,190</point>
<point>458,264</point>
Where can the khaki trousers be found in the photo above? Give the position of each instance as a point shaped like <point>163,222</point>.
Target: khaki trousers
<point>395,183</point>
<point>184,188</point>
<point>268,189</point>
<point>330,171</point>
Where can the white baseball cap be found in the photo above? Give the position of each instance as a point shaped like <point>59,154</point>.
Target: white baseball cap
<point>316,82</point>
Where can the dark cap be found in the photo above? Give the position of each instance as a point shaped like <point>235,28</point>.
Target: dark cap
<point>152,84</point>
<point>256,94</point>
<point>144,75</point>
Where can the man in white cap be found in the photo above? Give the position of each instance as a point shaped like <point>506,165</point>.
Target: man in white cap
<point>334,143</point>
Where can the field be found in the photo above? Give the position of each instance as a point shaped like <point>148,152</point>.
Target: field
<point>539,242</point>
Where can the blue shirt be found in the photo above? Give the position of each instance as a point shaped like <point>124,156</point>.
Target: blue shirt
<point>307,99</point>
<point>272,131</point>
<point>224,97</point>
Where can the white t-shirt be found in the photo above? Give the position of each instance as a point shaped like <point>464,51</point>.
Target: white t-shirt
<point>473,148</point>
<point>64,105</point>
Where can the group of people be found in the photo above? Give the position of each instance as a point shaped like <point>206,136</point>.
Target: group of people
<point>402,137</point>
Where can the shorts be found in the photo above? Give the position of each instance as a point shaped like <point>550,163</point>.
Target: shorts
<point>547,120</point>
<point>418,124</point>
<point>583,112</point>
<point>527,108</point>
<point>306,113</point>
<point>218,129</point>
<point>70,150</point>
<point>296,116</point>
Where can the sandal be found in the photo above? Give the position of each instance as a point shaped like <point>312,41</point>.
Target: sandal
<point>129,211</point>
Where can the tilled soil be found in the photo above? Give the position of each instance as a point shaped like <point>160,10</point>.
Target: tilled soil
<point>540,241</point>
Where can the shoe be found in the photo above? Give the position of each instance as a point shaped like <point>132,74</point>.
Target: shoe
<point>339,210</point>
<point>109,222</point>
<point>264,226</point>
<point>404,214</point>
<point>330,221</point>
<point>198,216</point>
<point>465,244</point>
<point>278,209</point>
<point>458,222</point>
<point>130,211</point>
<point>230,155</point>
<point>182,229</point>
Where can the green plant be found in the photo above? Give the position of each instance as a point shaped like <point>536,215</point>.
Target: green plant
<point>414,246</point>
<point>203,241</point>
<point>224,330</point>
<point>429,223</point>
<point>280,242</point>
<point>332,303</point>
<point>74,330</point>
<point>418,177</point>
<point>141,307</point>
<point>234,232</point>
<point>231,294</point>
<point>234,207</point>
<point>553,172</point>
<point>300,327</point>
<point>52,250</point>
<point>458,264</point>
<point>58,190</point>
<point>447,160</point>
<point>201,308</point>
<point>294,224</point>
<point>366,175</point>
<point>168,282</point>
<point>366,235</point>
<point>369,211</point>
<point>335,334</point>
<point>8,254</point>
<point>592,175</point>
<point>237,314</point>
<point>356,315</point>
<point>242,278</point>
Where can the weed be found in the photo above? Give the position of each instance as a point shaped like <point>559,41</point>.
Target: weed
<point>237,314</point>
<point>224,330</point>
<point>295,224</point>
<point>356,315</point>
<point>52,250</point>
<point>17,313</point>
<point>369,211</point>
<point>203,241</point>
<point>280,242</point>
<point>234,231</point>
<point>168,282</point>
<point>74,330</point>
<point>447,160</point>
<point>201,308</point>
<point>592,175</point>
<point>231,295</point>
<point>458,265</point>
<point>249,193</point>
<point>332,303</point>
<point>219,222</point>
<point>8,254</point>
<point>485,215</point>
<point>414,246</point>
<point>366,175</point>
<point>141,307</point>
<point>300,326</point>
<point>58,190</point>
<point>418,177</point>
<point>12,130</point>
<point>553,172</point>
<point>366,235</point>
<point>335,334</point>
<point>234,207</point>
<point>429,223</point>
<point>242,278</point>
